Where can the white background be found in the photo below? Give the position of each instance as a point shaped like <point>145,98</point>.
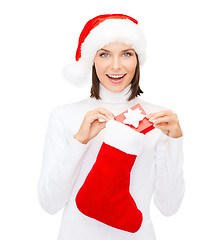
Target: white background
<point>184,72</point>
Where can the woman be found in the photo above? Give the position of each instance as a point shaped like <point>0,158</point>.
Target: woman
<point>103,172</point>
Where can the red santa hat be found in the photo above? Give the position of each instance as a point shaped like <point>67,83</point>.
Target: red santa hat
<point>99,32</point>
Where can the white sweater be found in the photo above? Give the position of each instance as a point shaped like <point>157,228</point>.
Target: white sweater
<point>67,162</point>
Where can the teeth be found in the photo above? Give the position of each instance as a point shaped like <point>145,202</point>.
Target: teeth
<point>117,76</point>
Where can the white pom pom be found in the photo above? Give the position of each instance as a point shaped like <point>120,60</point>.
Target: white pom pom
<point>76,73</point>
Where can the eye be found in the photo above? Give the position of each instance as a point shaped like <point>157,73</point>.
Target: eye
<point>127,54</point>
<point>104,55</point>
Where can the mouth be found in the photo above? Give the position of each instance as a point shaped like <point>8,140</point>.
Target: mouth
<point>116,78</point>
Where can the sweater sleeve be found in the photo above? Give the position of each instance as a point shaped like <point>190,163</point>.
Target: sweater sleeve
<point>169,181</point>
<point>62,158</point>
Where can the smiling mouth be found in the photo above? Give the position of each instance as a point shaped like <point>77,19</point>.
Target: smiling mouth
<point>115,76</point>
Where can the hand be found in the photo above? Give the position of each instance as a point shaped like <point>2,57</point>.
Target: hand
<point>91,125</point>
<point>167,122</point>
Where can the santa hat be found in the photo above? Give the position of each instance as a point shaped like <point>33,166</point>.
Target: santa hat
<point>99,32</point>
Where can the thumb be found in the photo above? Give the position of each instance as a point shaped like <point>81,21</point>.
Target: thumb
<point>102,125</point>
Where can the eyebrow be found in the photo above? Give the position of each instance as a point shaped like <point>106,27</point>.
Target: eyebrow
<point>122,50</point>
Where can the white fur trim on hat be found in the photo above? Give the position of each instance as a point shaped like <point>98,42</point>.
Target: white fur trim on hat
<point>114,30</point>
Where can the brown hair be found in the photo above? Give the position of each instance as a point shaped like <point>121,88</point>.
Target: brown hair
<point>135,88</point>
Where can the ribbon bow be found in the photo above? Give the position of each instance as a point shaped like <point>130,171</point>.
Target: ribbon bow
<point>133,117</point>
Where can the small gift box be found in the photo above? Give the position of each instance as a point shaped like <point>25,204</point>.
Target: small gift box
<point>135,117</point>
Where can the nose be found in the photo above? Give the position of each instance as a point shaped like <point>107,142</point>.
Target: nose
<point>115,63</point>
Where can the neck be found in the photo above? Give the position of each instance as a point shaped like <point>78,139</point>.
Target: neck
<point>114,97</point>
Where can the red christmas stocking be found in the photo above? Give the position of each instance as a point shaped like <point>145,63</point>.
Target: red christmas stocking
<point>105,194</point>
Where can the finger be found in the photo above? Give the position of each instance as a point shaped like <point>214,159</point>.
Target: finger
<point>101,120</point>
<point>165,119</point>
<point>98,116</point>
<point>102,125</point>
<point>153,116</point>
<point>106,112</point>
<point>162,126</point>
<point>111,114</point>
<point>101,117</point>
<point>101,111</point>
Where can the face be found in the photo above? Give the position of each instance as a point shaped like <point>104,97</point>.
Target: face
<point>115,66</point>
